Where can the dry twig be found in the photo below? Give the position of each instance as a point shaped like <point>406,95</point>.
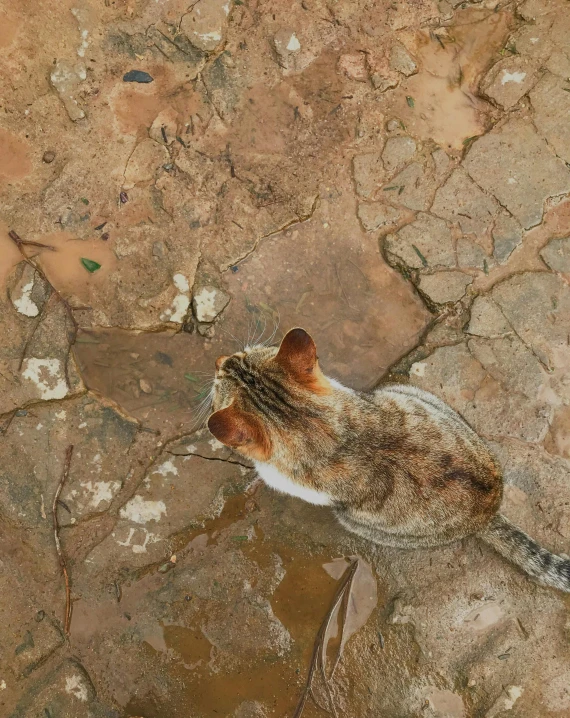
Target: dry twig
<point>62,563</point>
<point>318,659</point>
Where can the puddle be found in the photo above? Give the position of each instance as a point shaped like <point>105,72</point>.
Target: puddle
<point>167,624</point>
<point>444,106</point>
<point>16,163</point>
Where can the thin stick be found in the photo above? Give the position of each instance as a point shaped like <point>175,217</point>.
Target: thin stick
<point>317,659</point>
<point>28,242</point>
<point>64,476</point>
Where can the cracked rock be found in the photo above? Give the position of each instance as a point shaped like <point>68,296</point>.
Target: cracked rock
<point>37,644</point>
<point>509,80</point>
<point>551,104</point>
<point>205,24</point>
<point>286,45</point>
<point>507,235</point>
<point>412,187</point>
<point>382,76</point>
<point>445,286</point>
<point>209,302</point>
<point>368,173</point>
<point>556,254</point>
<point>487,320</point>
<point>65,79</point>
<point>28,295</point>
<point>397,153</point>
<point>354,67</point>
<point>460,200</point>
<point>147,158</point>
<point>518,167</point>
<point>376,215</point>
<point>470,254</point>
<point>427,242</point>
<point>401,61</point>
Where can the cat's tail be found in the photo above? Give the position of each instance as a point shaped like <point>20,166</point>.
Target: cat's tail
<point>512,543</point>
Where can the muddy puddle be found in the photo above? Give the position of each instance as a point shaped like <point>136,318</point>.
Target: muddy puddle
<point>174,624</point>
<point>439,102</point>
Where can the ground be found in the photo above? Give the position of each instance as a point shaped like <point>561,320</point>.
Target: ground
<point>392,176</point>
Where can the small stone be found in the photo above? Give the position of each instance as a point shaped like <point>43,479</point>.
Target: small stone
<point>413,187</point>
<point>556,254</point>
<point>286,46</point>
<point>368,173</point>
<point>48,156</point>
<point>376,215</point>
<point>206,23</point>
<point>402,61</point>
<point>145,386</point>
<point>509,80</point>
<point>445,287</point>
<point>460,200</point>
<point>397,152</point>
<point>507,235</point>
<point>393,125</point>
<point>146,159</point>
<point>428,238</point>
<point>470,254</point>
<point>137,76</point>
<point>206,330</point>
<point>65,79</point>
<point>354,67</point>
<point>159,249</point>
<point>487,320</point>
<point>208,302</point>
<point>442,163</point>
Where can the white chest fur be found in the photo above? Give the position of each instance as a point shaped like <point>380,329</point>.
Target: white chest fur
<point>283,484</point>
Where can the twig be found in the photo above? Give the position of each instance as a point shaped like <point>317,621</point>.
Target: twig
<point>28,242</point>
<point>318,657</point>
<point>62,563</point>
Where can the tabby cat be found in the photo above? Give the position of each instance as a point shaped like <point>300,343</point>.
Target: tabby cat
<point>396,465</point>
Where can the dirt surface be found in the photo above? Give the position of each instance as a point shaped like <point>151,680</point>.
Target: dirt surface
<point>393,177</point>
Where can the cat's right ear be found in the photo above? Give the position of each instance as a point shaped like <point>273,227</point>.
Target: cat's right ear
<point>241,431</point>
<point>297,355</point>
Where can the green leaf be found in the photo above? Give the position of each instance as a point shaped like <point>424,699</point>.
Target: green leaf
<point>410,101</point>
<point>485,266</point>
<point>190,377</point>
<point>239,538</point>
<point>90,265</point>
<point>84,200</point>
<point>468,140</point>
<point>423,260</point>
<point>387,189</point>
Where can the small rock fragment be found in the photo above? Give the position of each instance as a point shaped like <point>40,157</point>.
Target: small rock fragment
<point>507,235</point>
<point>382,76</point>
<point>286,45</point>
<point>48,156</point>
<point>368,173</point>
<point>556,254</point>
<point>393,125</point>
<point>460,200</point>
<point>206,330</point>
<point>65,79</point>
<point>28,295</point>
<point>445,286</point>
<point>470,254</point>
<point>354,67</point>
<point>208,302</point>
<point>158,249</point>
<point>145,386</point>
<point>137,76</point>
<point>206,24</point>
<point>551,101</point>
<point>147,157</point>
<point>376,215</point>
<point>397,152</point>
<point>427,242</point>
<point>402,61</point>
<point>411,187</point>
<point>509,80</point>
<point>505,702</point>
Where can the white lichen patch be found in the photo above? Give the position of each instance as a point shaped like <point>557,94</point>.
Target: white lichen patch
<point>216,445</point>
<point>24,303</point>
<point>47,375</point>
<point>293,45</point>
<point>517,77</point>
<point>167,467</point>
<point>148,538</point>
<point>100,491</point>
<point>142,511</point>
<point>75,686</point>
<point>208,303</point>
<point>181,301</point>
<point>418,369</point>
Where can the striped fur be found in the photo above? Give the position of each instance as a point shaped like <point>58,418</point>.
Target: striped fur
<point>397,465</point>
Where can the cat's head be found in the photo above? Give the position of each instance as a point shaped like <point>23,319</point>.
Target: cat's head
<point>262,393</point>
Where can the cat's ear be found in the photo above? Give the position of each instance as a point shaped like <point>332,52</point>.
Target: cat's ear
<point>240,430</point>
<point>297,355</point>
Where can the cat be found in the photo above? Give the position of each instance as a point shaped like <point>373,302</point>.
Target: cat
<point>396,465</point>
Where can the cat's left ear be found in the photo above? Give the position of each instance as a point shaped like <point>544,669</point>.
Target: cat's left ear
<point>297,355</point>
<point>240,430</point>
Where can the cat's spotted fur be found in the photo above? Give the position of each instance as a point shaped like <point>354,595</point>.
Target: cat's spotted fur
<point>398,466</point>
